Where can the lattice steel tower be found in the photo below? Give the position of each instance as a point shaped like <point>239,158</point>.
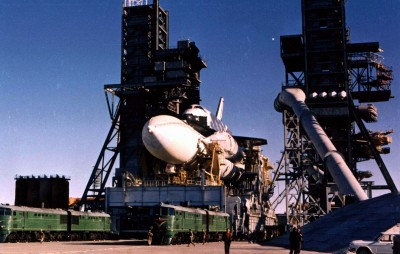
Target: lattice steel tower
<point>332,72</point>
<point>154,80</point>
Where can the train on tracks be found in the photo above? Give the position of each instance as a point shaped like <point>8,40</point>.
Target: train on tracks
<point>171,224</point>
<point>26,224</point>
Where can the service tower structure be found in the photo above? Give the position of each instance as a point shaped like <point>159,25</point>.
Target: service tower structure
<point>154,80</point>
<point>332,73</point>
<point>161,85</point>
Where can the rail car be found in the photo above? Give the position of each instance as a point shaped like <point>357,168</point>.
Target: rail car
<point>172,223</point>
<point>20,223</point>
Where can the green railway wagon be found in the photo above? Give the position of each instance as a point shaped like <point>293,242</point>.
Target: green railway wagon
<point>19,223</point>
<point>88,225</point>
<point>172,223</point>
<point>217,222</point>
<point>188,218</point>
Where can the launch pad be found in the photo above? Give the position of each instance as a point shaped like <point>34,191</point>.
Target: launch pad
<point>204,165</point>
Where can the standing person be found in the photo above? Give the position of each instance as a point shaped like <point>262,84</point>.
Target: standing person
<point>227,238</point>
<point>249,236</point>
<point>41,236</point>
<point>204,236</point>
<point>149,237</point>
<point>292,240</point>
<point>298,241</point>
<point>191,238</point>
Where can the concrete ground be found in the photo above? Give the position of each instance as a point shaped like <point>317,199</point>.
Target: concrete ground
<point>128,247</point>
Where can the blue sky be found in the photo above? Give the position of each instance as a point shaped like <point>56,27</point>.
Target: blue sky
<point>55,57</point>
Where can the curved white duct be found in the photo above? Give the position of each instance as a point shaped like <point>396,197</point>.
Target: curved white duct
<point>341,173</point>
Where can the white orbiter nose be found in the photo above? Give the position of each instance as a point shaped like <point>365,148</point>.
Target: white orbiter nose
<point>170,139</point>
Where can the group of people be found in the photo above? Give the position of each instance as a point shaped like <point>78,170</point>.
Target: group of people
<point>295,239</point>
<point>191,237</point>
<point>227,238</point>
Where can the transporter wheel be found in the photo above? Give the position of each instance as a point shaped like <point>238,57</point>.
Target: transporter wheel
<point>173,240</point>
<point>86,236</point>
<point>67,237</point>
<point>52,236</point>
<point>58,237</point>
<point>35,236</point>
<point>103,236</point>
<point>92,236</point>
<point>12,238</point>
<point>28,238</point>
<point>72,237</point>
<point>363,251</point>
<point>179,238</point>
<point>78,237</point>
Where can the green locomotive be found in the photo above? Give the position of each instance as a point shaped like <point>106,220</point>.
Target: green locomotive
<point>19,223</point>
<point>172,223</point>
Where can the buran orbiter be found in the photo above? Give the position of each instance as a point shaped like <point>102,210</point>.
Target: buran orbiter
<point>186,141</point>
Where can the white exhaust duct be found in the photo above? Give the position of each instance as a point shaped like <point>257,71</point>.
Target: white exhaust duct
<point>341,173</point>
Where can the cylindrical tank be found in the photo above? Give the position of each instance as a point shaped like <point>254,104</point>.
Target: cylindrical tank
<point>21,190</point>
<point>42,191</point>
<point>228,144</point>
<point>171,140</point>
<point>59,195</point>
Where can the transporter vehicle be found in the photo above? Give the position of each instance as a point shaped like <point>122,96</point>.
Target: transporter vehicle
<point>198,145</point>
<point>172,223</point>
<point>20,223</point>
<point>383,244</point>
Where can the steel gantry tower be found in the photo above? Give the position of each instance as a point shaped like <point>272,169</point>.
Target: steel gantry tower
<point>332,73</point>
<point>155,79</point>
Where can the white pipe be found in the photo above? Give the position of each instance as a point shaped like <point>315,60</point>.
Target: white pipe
<point>341,173</point>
